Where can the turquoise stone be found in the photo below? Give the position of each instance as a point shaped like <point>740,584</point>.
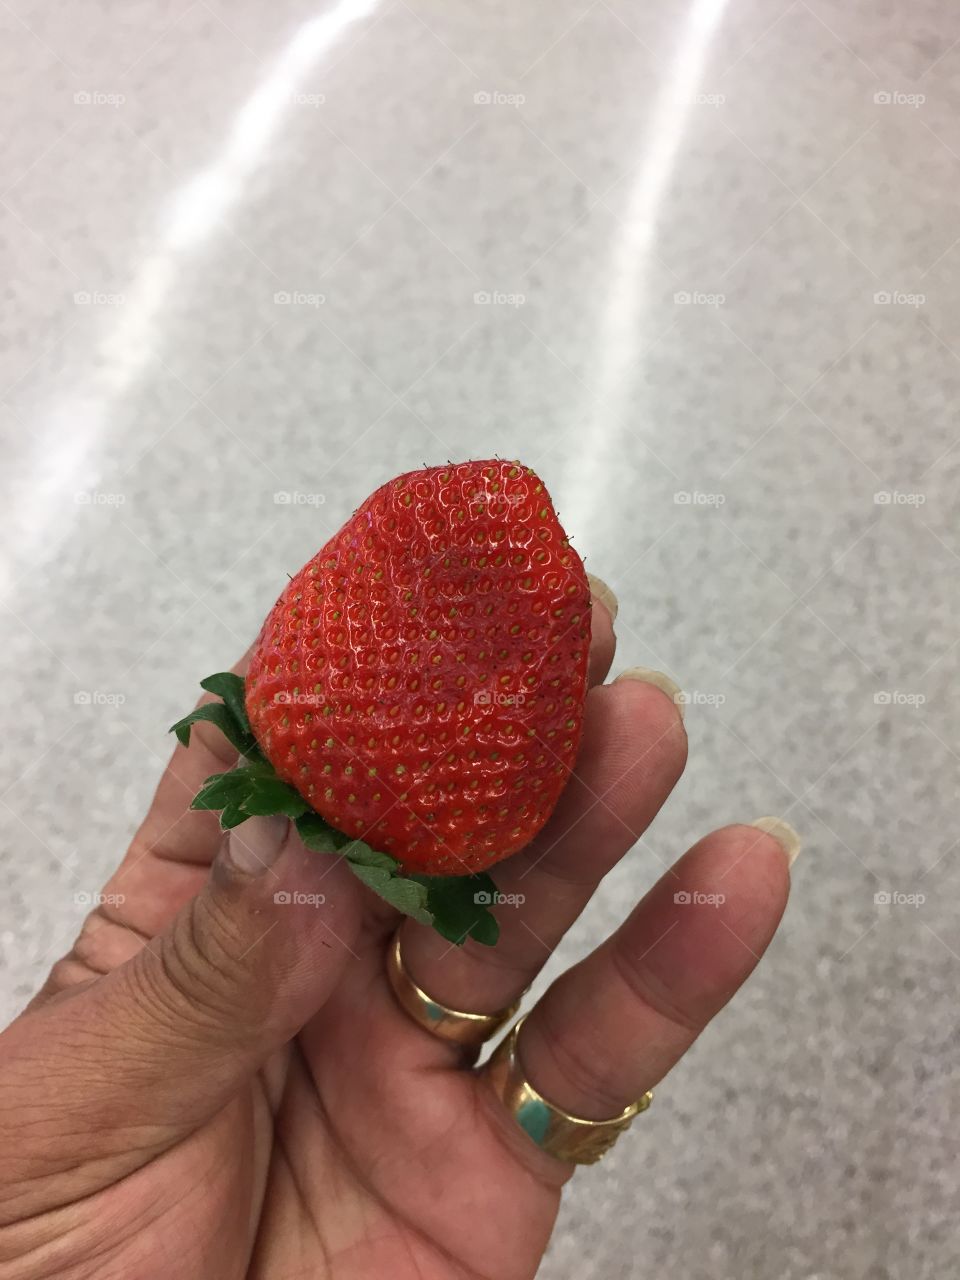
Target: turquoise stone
<point>534,1118</point>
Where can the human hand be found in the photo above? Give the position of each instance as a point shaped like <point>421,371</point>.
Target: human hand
<point>219,1083</point>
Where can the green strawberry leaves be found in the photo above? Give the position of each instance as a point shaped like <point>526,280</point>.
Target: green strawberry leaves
<point>230,715</point>
<point>229,687</point>
<point>456,906</point>
<point>254,789</point>
<point>459,907</point>
<point>378,871</point>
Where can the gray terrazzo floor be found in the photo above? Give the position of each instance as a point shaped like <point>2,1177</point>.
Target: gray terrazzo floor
<point>721,250</point>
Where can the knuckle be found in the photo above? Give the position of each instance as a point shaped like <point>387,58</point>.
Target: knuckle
<point>104,942</point>
<point>649,992</point>
<point>583,1065</point>
<point>101,945</point>
<point>70,971</point>
<point>190,971</point>
<point>659,721</point>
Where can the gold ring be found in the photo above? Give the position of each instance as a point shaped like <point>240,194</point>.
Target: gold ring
<point>560,1134</point>
<point>470,1029</point>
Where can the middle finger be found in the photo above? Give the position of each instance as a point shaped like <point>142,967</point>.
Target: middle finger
<point>633,752</point>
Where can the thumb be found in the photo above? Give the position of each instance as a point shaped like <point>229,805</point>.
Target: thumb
<point>136,1060</point>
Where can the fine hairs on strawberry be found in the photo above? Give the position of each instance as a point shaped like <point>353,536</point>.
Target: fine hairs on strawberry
<point>417,691</point>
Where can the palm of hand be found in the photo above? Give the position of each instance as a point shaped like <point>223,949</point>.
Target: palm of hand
<point>360,1150</point>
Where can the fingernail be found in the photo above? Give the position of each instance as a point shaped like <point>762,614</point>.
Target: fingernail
<point>600,591</point>
<point>256,844</point>
<point>783,833</point>
<point>661,680</point>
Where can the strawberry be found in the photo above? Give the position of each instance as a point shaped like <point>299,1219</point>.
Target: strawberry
<point>415,697</point>
<point>420,682</point>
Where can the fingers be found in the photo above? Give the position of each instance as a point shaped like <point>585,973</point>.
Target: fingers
<point>171,829</point>
<point>161,1043</point>
<point>633,752</point>
<point>612,1026</point>
<point>603,642</point>
<point>166,865</point>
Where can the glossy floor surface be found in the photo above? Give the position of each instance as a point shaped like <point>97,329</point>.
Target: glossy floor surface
<point>698,264</point>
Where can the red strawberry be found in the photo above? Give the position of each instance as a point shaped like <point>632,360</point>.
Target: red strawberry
<point>421,681</point>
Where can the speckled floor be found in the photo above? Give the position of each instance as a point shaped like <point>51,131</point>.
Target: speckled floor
<point>699,265</point>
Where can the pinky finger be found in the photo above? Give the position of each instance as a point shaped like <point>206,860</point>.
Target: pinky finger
<point>611,1027</point>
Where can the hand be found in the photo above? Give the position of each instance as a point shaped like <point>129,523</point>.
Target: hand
<point>216,1082</point>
